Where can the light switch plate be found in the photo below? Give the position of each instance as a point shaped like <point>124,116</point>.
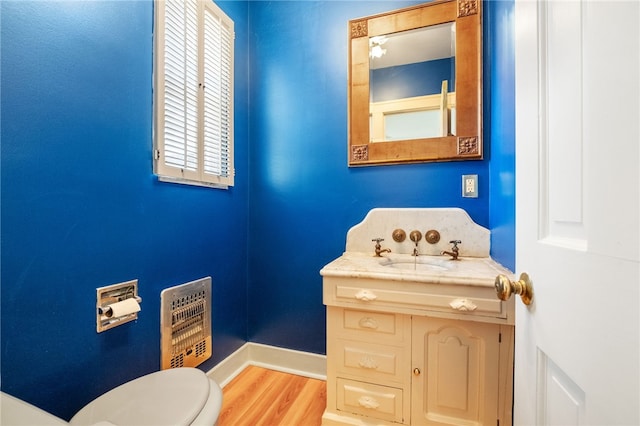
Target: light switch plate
<point>470,186</point>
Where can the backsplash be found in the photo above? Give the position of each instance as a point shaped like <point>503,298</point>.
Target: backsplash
<point>451,223</point>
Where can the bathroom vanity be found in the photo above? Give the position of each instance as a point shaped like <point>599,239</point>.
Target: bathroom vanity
<point>417,340</point>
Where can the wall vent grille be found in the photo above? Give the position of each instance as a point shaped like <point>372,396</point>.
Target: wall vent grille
<point>186,324</point>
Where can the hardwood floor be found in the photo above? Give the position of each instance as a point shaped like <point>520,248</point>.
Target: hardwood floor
<point>258,396</point>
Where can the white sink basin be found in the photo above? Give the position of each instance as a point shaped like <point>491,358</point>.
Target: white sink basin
<point>417,263</point>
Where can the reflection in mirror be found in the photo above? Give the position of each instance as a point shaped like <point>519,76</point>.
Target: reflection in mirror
<point>412,83</point>
<point>415,84</point>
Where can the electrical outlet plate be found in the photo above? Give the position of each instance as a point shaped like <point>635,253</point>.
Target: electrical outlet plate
<point>470,186</point>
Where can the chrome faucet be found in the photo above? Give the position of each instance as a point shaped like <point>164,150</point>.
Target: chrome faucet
<point>378,248</point>
<point>454,250</point>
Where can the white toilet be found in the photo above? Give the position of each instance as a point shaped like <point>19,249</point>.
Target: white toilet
<point>179,396</point>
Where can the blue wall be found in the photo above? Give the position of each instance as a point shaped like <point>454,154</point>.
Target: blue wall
<point>418,79</point>
<point>303,196</point>
<point>81,208</point>
<point>499,124</point>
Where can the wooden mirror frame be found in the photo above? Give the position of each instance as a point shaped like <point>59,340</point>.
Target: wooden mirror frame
<point>467,144</point>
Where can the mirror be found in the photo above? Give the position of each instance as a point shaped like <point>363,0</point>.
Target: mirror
<point>415,84</point>
<point>412,83</point>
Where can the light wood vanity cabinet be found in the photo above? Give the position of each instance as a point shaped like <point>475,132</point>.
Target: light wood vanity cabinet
<point>417,353</point>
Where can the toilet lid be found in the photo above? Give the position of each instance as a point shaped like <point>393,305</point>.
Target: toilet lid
<point>167,397</point>
<point>16,412</point>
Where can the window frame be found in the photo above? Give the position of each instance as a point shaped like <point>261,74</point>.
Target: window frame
<point>195,172</point>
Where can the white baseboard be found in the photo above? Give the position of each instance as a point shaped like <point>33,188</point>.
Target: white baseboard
<point>231,366</point>
<point>286,360</point>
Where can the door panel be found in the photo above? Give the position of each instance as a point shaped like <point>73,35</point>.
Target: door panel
<point>560,400</point>
<point>459,369</point>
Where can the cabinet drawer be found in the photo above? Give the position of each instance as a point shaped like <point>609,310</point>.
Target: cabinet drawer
<point>371,362</point>
<point>467,301</point>
<point>368,326</point>
<point>372,322</point>
<point>380,402</point>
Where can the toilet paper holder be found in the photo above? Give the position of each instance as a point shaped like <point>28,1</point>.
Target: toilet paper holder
<point>107,310</point>
<point>117,304</point>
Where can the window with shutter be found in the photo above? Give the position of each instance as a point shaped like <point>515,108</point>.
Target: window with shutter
<point>193,93</point>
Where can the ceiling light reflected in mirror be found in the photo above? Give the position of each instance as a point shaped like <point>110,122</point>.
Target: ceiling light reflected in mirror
<point>375,47</point>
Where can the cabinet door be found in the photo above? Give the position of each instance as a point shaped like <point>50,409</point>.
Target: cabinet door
<point>455,367</point>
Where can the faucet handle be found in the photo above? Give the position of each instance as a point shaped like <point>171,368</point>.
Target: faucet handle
<point>399,235</point>
<point>378,249</point>
<point>432,236</point>
<point>455,251</point>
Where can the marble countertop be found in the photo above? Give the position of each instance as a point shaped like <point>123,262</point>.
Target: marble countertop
<point>475,271</point>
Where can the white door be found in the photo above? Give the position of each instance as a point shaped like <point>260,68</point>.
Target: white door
<point>577,350</point>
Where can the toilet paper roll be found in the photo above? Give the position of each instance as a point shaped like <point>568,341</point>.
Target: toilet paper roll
<point>126,307</point>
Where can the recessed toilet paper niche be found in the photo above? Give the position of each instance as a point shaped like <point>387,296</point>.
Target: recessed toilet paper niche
<point>117,304</point>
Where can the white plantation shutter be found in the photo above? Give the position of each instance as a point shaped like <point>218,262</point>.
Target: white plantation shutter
<point>218,98</point>
<point>193,93</point>
<point>181,85</point>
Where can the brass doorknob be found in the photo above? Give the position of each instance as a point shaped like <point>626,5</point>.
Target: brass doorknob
<point>416,371</point>
<point>505,288</point>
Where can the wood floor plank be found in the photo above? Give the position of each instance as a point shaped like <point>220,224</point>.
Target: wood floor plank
<point>239,394</point>
<point>262,397</point>
<point>307,409</point>
<point>287,389</point>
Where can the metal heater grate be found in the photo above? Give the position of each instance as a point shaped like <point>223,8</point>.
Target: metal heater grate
<point>186,324</point>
